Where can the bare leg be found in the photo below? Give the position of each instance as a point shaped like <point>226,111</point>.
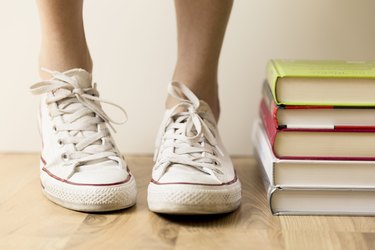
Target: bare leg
<point>63,38</point>
<point>201,27</point>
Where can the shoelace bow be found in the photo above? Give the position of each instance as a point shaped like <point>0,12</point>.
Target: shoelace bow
<point>193,141</point>
<point>80,119</point>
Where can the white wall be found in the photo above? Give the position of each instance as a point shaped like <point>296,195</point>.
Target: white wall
<point>133,46</point>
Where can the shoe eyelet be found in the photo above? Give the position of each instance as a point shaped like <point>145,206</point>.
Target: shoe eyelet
<point>65,157</point>
<point>54,129</point>
<point>60,142</point>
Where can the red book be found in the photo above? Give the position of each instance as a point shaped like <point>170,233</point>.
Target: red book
<point>337,143</point>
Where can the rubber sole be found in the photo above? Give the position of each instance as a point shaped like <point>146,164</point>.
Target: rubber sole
<point>90,198</point>
<point>193,199</point>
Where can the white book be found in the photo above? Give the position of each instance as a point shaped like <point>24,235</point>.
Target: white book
<point>358,202</point>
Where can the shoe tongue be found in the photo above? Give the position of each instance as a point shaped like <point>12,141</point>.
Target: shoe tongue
<point>84,78</point>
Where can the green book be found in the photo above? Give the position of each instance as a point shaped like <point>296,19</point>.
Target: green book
<point>322,83</point>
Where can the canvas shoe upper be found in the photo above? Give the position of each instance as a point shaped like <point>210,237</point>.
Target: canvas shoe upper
<point>193,173</point>
<point>81,167</point>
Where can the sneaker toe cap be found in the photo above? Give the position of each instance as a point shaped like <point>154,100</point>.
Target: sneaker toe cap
<point>178,173</point>
<point>105,175</point>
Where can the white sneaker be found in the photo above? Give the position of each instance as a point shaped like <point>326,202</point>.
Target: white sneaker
<point>193,174</point>
<point>81,167</point>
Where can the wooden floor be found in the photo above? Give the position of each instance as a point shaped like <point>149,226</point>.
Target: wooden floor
<point>29,221</point>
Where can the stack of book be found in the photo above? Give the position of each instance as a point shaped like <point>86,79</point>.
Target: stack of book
<point>315,138</point>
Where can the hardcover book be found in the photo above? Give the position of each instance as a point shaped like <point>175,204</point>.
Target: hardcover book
<point>310,201</point>
<point>337,83</point>
<point>303,116</point>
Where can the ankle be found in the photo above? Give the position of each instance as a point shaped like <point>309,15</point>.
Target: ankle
<point>206,92</point>
<point>62,57</point>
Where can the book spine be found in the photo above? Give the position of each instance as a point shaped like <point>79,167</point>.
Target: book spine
<point>270,102</point>
<point>272,76</point>
<point>263,151</point>
<point>269,188</point>
<point>269,123</point>
<point>272,109</point>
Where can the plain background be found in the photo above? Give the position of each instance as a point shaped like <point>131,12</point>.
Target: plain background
<point>133,44</point>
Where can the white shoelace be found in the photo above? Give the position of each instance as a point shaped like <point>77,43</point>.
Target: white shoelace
<point>83,119</point>
<point>189,134</point>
